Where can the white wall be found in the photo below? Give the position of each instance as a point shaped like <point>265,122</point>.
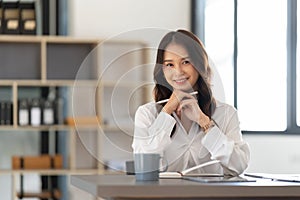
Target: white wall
<point>109,18</point>
<point>274,153</point>
<point>102,18</point>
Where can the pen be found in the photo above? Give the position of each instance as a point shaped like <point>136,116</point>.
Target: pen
<point>166,100</point>
<point>255,176</point>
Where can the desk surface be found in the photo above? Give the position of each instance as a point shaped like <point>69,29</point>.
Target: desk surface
<point>125,186</point>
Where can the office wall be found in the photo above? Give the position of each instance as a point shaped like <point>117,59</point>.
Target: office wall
<point>274,153</point>
<point>106,19</point>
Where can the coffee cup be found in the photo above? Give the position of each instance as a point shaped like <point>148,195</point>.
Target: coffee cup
<point>147,166</point>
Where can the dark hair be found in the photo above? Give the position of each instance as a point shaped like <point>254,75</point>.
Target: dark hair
<point>199,60</point>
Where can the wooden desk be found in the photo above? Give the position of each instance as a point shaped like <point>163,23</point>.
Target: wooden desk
<point>126,187</point>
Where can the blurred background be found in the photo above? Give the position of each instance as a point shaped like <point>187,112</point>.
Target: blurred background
<point>252,45</point>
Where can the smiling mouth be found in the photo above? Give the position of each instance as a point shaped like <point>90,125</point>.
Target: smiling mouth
<point>182,80</point>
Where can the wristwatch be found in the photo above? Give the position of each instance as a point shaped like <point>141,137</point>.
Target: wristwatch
<point>208,126</point>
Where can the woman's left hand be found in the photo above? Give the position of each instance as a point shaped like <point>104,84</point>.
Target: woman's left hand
<point>191,109</point>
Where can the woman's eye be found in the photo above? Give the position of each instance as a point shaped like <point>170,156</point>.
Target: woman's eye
<point>169,65</point>
<point>185,62</point>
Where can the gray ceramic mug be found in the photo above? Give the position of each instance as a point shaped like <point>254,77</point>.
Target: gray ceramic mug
<point>147,166</point>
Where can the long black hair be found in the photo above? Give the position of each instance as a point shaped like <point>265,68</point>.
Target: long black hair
<point>199,60</point>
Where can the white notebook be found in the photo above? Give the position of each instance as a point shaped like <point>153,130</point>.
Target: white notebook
<point>187,171</point>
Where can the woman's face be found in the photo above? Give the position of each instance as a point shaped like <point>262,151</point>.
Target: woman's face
<point>178,69</point>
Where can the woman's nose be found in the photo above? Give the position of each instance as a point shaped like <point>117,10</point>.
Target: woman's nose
<point>178,69</point>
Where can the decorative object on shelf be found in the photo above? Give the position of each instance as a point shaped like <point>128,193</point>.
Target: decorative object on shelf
<point>23,113</point>
<point>40,111</point>
<point>27,18</point>
<point>44,161</point>
<point>6,109</point>
<point>2,112</point>
<point>58,111</point>
<point>11,17</point>
<point>1,12</point>
<point>48,112</point>
<point>35,112</point>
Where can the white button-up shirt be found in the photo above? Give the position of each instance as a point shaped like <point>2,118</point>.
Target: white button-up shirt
<point>183,150</point>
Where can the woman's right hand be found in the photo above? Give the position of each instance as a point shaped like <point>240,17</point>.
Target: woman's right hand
<point>174,101</point>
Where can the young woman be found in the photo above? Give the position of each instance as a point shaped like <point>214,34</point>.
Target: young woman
<point>188,129</point>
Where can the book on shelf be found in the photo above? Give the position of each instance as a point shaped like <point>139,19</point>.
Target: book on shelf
<point>45,161</point>
<point>188,171</point>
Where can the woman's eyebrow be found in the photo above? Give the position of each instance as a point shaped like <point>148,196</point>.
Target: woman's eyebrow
<point>170,60</point>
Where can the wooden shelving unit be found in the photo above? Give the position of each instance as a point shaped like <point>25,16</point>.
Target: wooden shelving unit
<point>33,62</point>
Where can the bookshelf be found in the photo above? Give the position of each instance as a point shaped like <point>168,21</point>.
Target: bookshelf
<point>96,81</point>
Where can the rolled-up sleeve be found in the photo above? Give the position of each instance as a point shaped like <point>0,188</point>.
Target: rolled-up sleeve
<point>225,144</point>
